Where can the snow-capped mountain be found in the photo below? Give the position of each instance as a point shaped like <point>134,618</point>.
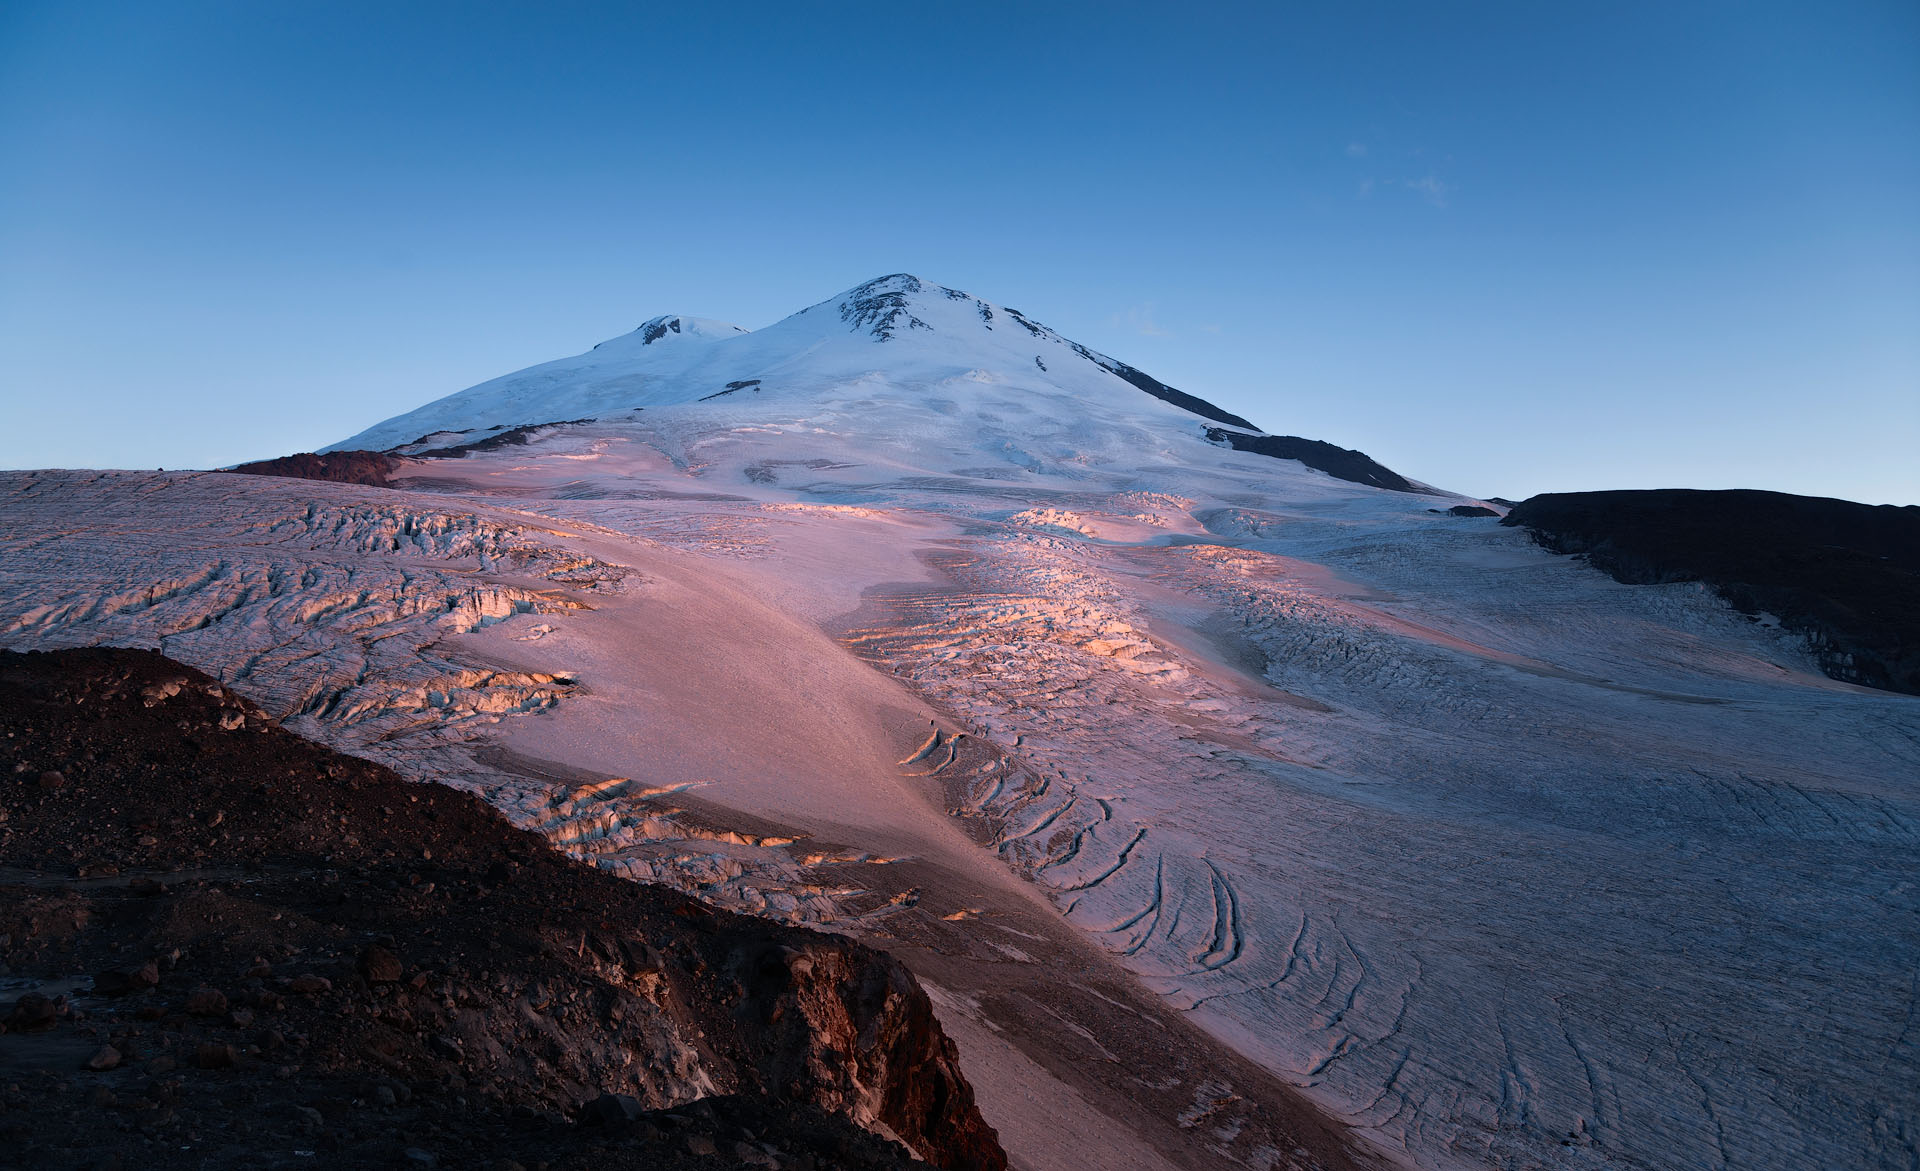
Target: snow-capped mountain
<point>911,335</point>
<point>902,358</point>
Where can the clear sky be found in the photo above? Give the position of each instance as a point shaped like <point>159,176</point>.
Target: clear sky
<point>1503,247</point>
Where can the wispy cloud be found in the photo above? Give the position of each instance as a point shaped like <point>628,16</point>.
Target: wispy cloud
<point>1356,150</point>
<point>1366,188</point>
<point>1140,320</point>
<point>1431,189</point>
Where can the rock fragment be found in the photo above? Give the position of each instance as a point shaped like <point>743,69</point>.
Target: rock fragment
<point>32,1012</point>
<point>380,966</point>
<point>612,1110</point>
<point>215,1055</point>
<point>206,1001</point>
<point>121,982</point>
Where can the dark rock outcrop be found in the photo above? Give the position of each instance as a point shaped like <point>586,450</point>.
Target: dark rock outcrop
<point>656,329</point>
<point>1339,462</point>
<point>501,437</point>
<point>374,468</point>
<point>293,948</point>
<point>883,307</point>
<point>1846,575</point>
<point>1464,510</point>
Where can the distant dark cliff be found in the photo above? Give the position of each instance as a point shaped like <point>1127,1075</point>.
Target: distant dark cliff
<point>1845,575</point>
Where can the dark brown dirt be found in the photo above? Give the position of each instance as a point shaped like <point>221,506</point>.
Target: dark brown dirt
<point>224,946</point>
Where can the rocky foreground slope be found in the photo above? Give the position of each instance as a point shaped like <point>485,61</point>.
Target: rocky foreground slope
<point>225,946</point>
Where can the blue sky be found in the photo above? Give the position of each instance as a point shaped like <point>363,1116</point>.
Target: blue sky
<point>1505,248</point>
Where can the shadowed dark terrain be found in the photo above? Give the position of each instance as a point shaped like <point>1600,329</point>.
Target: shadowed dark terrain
<point>225,947</point>
<point>1342,463</point>
<point>1846,575</point>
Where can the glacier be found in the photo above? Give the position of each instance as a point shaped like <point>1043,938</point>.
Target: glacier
<point>908,617</point>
